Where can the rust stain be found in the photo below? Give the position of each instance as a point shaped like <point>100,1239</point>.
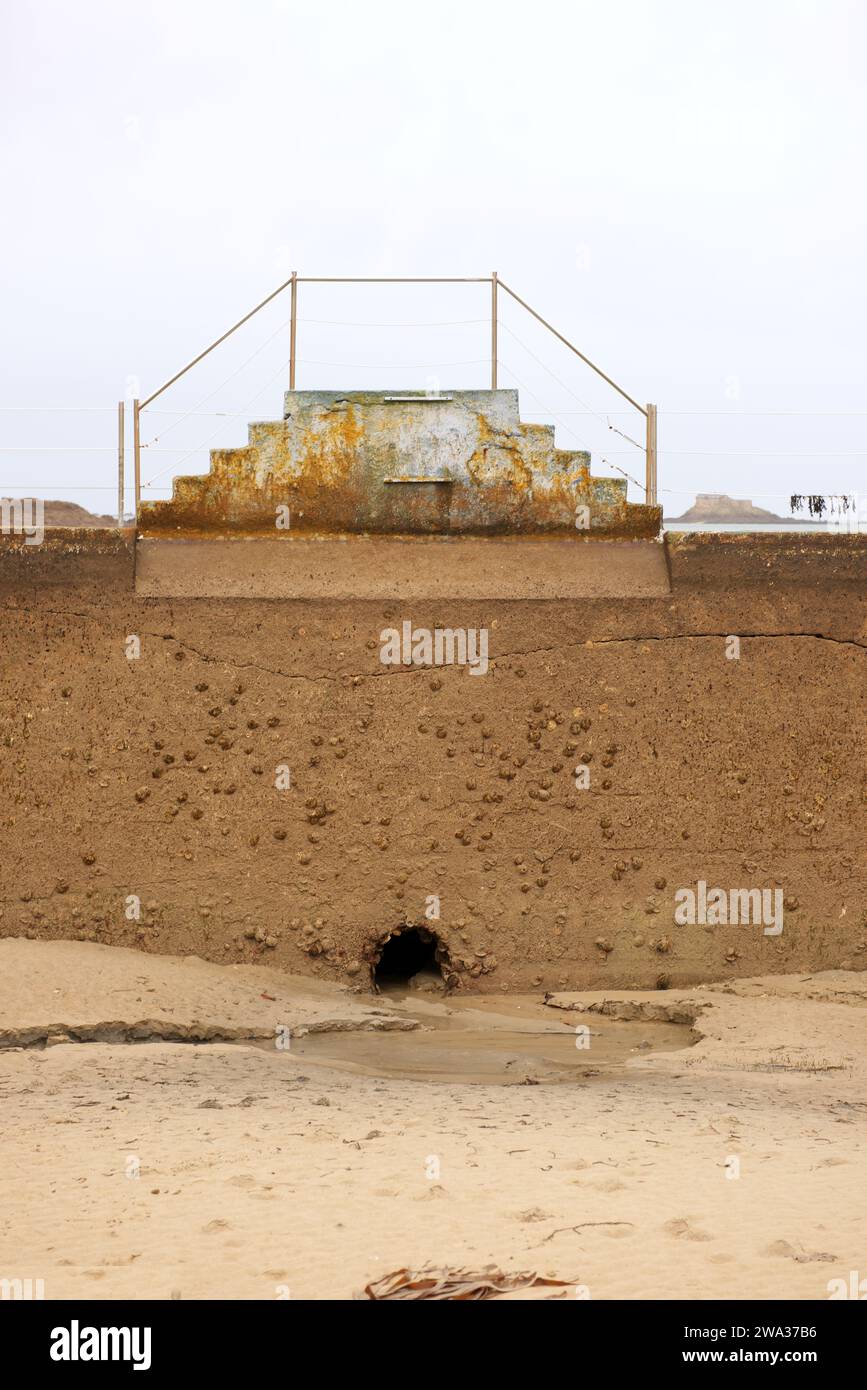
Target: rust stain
<point>330,462</point>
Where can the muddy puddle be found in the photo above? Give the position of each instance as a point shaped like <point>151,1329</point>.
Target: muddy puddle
<point>494,1041</point>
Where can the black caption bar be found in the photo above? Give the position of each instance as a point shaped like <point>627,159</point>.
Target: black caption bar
<point>157,1339</point>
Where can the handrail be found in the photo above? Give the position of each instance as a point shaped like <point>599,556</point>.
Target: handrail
<point>552,329</point>
<point>216,343</point>
<point>393,279</point>
<point>649,412</point>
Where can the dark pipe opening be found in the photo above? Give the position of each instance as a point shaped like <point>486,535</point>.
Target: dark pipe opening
<point>404,955</point>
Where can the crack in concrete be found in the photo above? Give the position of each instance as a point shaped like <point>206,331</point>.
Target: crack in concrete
<point>496,658</point>
<point>393,671</point>
<point>685,637</point>
<point>240,665</point>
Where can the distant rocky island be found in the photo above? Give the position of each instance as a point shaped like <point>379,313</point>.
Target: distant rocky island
<point>71,514</point>
<point>716,507</point>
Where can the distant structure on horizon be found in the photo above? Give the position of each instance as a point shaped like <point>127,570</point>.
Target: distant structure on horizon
<point>71,514</point>
<point>716,507</point>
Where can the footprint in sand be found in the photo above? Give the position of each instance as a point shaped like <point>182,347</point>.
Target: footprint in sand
<point>785,1251</point>
<point>432,1194</point>
<point>682,1229</point>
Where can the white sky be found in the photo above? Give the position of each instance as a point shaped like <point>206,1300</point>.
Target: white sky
<point>678,186</point>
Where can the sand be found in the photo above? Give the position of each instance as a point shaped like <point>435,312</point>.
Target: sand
<point>266,1174</point>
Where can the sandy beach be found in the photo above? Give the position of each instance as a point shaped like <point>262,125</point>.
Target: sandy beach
<point>191,1149</point>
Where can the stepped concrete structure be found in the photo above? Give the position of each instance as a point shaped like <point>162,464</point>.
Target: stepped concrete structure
<point>370,465</point>
<point>401,462</point>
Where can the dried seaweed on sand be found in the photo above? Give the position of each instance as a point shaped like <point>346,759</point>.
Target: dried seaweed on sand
<point>489,1282</point>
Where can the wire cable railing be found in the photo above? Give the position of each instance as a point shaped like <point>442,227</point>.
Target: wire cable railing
<point>292,284</point>
<point>166,421</point>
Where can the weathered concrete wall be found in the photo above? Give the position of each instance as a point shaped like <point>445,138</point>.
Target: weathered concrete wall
<point>426,567</point>
<point>156,776</point>
<point>461,463</point>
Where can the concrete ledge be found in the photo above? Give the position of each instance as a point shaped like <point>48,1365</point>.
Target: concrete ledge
<point>368,567</point>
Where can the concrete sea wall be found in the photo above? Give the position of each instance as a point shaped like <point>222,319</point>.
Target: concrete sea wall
<point>153,778</point>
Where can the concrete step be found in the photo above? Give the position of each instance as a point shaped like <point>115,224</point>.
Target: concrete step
<point>406,567</point>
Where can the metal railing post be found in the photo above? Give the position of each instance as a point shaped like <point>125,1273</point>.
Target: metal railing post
<point>650,464</point>
<point>136,444</point>
<point>120,461</point>
<point>292,327</point>
<point>649,412</point>
<point>493,330</point>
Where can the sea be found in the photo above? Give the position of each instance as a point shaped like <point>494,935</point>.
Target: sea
<point>780,528</point>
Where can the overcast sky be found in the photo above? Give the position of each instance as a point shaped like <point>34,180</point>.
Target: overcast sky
<point>678,186</point>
